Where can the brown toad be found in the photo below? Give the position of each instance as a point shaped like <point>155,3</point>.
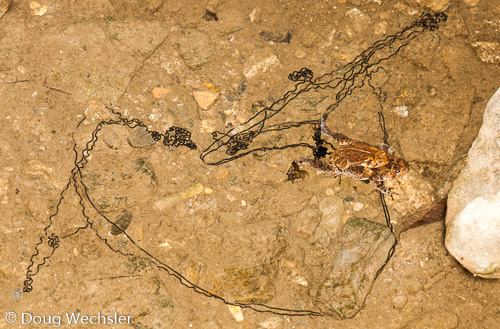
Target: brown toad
<point>368,163</point>
<point>353,153</point>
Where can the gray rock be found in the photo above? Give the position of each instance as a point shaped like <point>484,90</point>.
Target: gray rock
<point>122,222</point>
<point>473,215</point>
<point>361,250</point>
<point>17,294</point>
<point>139,137</point>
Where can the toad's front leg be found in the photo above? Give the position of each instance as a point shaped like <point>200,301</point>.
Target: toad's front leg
<point>379,185</point>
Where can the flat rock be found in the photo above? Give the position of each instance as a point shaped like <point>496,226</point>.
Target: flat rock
<point>361,250</point>
<point>473,215</point>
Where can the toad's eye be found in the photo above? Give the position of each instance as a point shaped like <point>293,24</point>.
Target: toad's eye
<point>397,171</point>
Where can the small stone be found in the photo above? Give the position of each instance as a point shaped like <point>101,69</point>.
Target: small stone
<point>174,6</point>
<point>401,110</point>
<point>399,302</point>
<point>488,52</point>
<point>261,61</point>
<point>357,206</point>
<point>173,199</point>
<point>309,39</point>
<point>122,223</point>
<point>332,209</point>
<point>37,8</point>
<point>413,286</point>
<point>4,6</point>
<point>192,272</point>
<point>276,36</point>
<point>17,294</point>
<point>471,2</point>
<point>4,188</point>
<point>139,137</point>
<point>205,98</point>
<point>300,53</point>
<point>436,5</point>
<point>160,92</point>
<point>236,312</point>
<point>222,173</point>
<point>254,15</point>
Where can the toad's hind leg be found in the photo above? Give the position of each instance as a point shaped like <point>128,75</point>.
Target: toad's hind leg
<point>318,165</point>
<point>294,172</point>
<point>338,137</point>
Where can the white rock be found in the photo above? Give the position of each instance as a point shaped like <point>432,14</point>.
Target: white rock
<point>473,215</point>
<point>261,61</point>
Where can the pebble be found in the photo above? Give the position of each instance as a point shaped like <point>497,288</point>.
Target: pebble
<point>123,221</point>
<point>413,286</point>
<point>436,5</point>
<point>488,52</point>
<point>205,99</point>
<point>254,15</point>
<point>471,2</point>
<point>309,39</point>
<point>17,294</point>
<point>170,200</point>
<point>4,6</point>
<point>236,312</point>
<point>261,61</point>
<point>37,8</point>
<point>401,110</point>
<point>160,92</point>
<point>357,206</point>
<point>399,302</point>
<point>222,173</point>
<point>139,137</point>
<point>332,209</point>
<point>4,188</point>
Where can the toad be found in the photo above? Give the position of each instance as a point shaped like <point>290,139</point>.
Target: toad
<point>357,160</point>
<point>353,153</point>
